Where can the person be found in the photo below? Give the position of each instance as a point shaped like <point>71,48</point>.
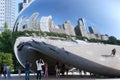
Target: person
<point>27,70</point>
<point>19,72</point>
<point>63,69</point>
<point>57,69</point>
<point>3,71</point>
<point>46,70</point>
<point>66,69</point>
<point>85,73</point>
<point>39,64</point>
<point>80,71</point>
<point>8,71</point>
<point>113,52</point>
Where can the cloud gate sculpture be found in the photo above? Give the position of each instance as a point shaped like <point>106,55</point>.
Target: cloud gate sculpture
<point>91,57</point>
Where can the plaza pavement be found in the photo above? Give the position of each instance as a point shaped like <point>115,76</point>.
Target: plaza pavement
<point>33,77</point>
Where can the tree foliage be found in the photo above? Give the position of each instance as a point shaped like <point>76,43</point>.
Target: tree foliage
<point>6,40</point>
<point>81,38</point>
<point>112,40</point>
<point>6,59</point>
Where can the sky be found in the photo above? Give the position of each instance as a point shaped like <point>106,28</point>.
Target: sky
<point>103,14</point>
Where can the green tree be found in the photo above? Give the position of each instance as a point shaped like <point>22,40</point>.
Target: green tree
<point>112,40</point>
<point>6,59</point>
<point>6,44</point>
<point>6,40</point>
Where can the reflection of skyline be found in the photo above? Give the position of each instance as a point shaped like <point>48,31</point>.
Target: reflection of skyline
<point>104,14</point>
<point>33,21</point>
<point>46,24</point>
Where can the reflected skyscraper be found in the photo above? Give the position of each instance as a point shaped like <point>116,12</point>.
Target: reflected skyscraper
<point>39,20</point>
<point>69,29</point>
<point>23,4</point>
<point>32,22</point>
<point>45,23</point>
<point>80,28</point>
<point>93,30</point>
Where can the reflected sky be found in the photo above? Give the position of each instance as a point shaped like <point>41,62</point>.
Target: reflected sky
<point>103,14</point>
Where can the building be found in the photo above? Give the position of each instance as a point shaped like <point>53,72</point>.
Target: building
<point>27,1</point>
<point>69,29</point>
<point>7,13</point>
<point>20,6</point>
<point>80,28</point>
<point>23,4</point>
<point>45,23</point>
<point>104,37</point>
<point>21,25</point>
<point>31,25</point>
<point>93,33</point>
<point>93,30</point>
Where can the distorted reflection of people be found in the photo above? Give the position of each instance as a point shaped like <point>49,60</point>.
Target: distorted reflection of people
<point>46,70</point>
<point>113,52</point>
<point>57,69</point>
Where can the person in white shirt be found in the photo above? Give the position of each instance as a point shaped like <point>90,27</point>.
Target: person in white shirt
<point>39,64</point>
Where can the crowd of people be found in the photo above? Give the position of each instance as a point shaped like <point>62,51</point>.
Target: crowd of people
<point>61,69</point>
<point>42,67</point>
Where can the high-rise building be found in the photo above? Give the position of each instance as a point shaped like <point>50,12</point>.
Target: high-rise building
<point>80,28</point>
<point>27,1</point>
<point>20,6</point>
<point>45,23</point>
<point>93,30</point>
<point>23,4</point>
<point>31,25</point>
<point>7,13</point>
<point>69,29</point>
